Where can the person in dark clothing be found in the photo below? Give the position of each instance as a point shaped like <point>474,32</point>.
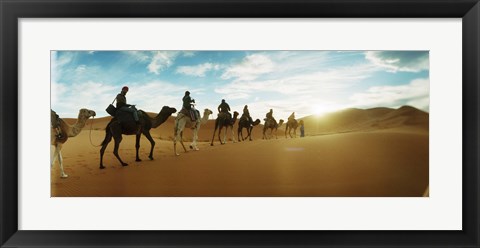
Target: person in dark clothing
<point>246,114</point>
<point>224,108</point>
<point>187,104</point>
<point>269,115</point>
<point>187,101</point>
<point>302,129</point>
<point>122,104</point>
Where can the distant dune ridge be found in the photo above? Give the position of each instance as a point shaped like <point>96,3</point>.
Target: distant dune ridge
<point>347,120</point>
<point>367,120</point>
<point>354,152</point>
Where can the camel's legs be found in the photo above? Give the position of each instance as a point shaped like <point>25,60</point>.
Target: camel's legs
<point>152,143</point>
<point>214,131</point>
<point>58,155</point>
<point>137,146</point>
<point>249,129</point>
<point>239,133</point>
<point>107,140</point>
<point>117,140</point>
<point>193,145</point>
<point>179,127</point>
<point>233,134</point>
<point>181,141</point>
<point>176,132</point>
<point>177,137</point>
<point>175,144</point>
<point>60,161</point>
<point>55,154</point>
<point>224,135</point>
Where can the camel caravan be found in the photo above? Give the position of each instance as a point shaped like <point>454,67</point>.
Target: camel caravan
<point>127,120</point>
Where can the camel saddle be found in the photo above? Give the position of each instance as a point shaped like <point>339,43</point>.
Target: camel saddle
<point>125,117</point>
<point>60,135</point>
<point>246,120</point>
<point>226,116</point>
<point>194,115</point>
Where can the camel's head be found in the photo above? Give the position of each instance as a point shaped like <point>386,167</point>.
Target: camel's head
<point>235,114</point>
<point>280,122</point>
<point>256,122</point>
<point>167,110</point>
<point>86,113</point>
<point>207,112</point>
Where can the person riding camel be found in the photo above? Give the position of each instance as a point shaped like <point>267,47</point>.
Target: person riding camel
<point>246,114</point>
<point>187,105</point>
<point>122,104</point>
<point>269,115</point>
<point>291,117</point>
<point>225,108</point>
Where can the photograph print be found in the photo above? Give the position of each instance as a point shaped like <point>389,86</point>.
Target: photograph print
<point>243,123</point>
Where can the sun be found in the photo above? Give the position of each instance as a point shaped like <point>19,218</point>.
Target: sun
<point>319,110</point>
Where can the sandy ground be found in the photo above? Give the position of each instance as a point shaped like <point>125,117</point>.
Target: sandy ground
<point>346,154</point>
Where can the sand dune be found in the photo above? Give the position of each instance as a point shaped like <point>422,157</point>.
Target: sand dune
<point>355,152</point>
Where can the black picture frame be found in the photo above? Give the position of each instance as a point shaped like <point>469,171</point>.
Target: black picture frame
<point>12,10</point>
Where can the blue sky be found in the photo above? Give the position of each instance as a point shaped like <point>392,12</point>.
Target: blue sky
<point>304,82</point>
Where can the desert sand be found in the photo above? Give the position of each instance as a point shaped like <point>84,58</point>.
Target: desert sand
<point>355,152</point>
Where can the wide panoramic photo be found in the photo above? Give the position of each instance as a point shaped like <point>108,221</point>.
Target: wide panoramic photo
<point>239,123</point>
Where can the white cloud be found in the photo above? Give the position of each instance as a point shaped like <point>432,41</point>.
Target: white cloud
<point>151,97</point>
<point>57,63</point>
<point>67,100</point>
<point>316,83</point>
<point>416,94</point>
<point>197,70</point>
<point>80,68</point>
<point>162,60</point>
<point>57,92</point>
<point>250,68</point>
<point>141,56</point>
<point>393,61</point>
<point>188,53</point>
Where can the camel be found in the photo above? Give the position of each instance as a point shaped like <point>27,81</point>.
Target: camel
<point>123,123</point>
<point>183,121</point>
<point>291,124</point>
<point>67,131</point>
<point>245,123</point>
<point>221,122</point>
<point>272,125</point>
